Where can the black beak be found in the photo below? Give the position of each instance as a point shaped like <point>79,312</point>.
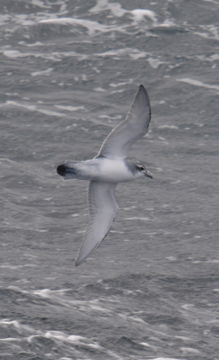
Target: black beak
<point>148,174</point>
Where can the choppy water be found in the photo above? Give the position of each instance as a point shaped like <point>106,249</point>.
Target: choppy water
<point>69,70</point>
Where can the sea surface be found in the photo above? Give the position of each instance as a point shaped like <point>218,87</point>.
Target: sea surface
<point>69,72</point>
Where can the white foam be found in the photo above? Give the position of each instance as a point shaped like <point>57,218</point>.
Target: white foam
<point>17,325</point>
<point>188,306</point>
<point>199,83</point>
<point>166,126</point>
<point>129,208</point>
<point>46,72</point>
<point>12,53</point>
<point>147,345</point>
<point>122,83</point>
<point>91,26</point>
<point>155,63</point>
<point>59,297</point>
<point>102,5</point>
<point>117,53</point>
<point>64,337</point>
<point>39,3</point>
<point>57,336</point>
<point>171,258</point>
<point>117,10</point>
<point>47,293</point>
<point>140,14</point>
<point>74,339</point>
<point>137,218</point>
<point>57,56</point>
<point>32,107</point>
<point>116,232</point>
<point>209,32</point>
<point>189,350</point>
<point>184,338</point>
<point>35,44</point>
<point>9,339</point>
<point>70,108</point>
<point>212,261</point>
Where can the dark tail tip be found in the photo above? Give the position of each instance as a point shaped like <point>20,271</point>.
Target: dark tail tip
<point>61,170</point>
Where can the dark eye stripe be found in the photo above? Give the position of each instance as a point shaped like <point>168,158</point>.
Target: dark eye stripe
<point>140,167</point>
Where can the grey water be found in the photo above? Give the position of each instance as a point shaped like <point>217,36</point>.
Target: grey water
<point>69,71</point>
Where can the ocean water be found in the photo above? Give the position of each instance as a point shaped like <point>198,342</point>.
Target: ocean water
<point>69,72</point>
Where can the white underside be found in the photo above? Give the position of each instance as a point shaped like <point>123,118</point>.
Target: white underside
<point>114,170</point>
<point>104,169</point>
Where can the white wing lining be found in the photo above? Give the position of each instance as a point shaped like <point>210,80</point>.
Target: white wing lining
<point>103,207</point>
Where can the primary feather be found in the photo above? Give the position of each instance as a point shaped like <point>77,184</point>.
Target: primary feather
<point>131,129</point>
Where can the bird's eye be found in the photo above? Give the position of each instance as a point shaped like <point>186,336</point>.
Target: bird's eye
<point>140,167</point>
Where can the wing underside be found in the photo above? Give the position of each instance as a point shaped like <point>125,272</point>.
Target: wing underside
<point>131,129</point>
<point>102,208</point>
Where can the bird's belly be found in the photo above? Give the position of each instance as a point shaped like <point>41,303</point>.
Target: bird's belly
<point>114,170</point>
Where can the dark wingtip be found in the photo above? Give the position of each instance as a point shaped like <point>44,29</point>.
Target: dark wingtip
<point>78,261</point>
<point>142,89</point>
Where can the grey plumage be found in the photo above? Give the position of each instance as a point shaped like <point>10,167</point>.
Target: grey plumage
<point>108,168</point>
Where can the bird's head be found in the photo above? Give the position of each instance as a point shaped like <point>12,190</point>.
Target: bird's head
<point>142,171</point>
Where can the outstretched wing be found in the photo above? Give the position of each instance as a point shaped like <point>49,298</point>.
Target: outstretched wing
<point>103,207</point>
<point>120,139</point>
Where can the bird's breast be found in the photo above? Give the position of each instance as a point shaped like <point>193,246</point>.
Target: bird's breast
<point>114,170</point>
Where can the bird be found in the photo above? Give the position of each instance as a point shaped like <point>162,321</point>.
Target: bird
<point>108,168</point>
